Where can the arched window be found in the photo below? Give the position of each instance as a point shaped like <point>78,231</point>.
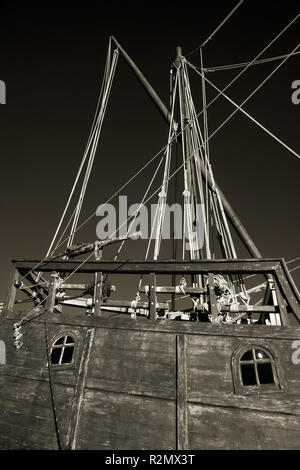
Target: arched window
<point>62,350</point>
<point>255,369</point>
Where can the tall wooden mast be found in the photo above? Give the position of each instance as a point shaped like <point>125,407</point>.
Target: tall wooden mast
<point>190,179</point>
<point>232,216</point>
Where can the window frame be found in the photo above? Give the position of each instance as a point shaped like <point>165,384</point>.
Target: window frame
<point>239,387</point>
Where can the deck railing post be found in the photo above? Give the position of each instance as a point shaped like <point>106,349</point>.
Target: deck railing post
<point>212,298</point>
<point>50,301</point>
<point>12,290</point>
<point>281,306</point>
<point>152,297</point>
<point>98,293</point>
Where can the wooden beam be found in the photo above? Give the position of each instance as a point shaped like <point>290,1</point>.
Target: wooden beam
<point>124,303</point>
<point>212,298</point>
<point>232,216</point>
<point>50,300</point>
<point>281,306</point>
<point>290,293</point>
<point>152,297</point>
<point>276,267</point>
<point>42,288</point>
<point>251,309</point>
<point>146,85</point>
<point>82,302</point>
<point>74,286</point>
<point>185,327</point>
<point>98,293</point>
<point>175,290</point>
<point>159,267</point>
<point>11,291</point>
<point>72,431</point>
<point>181,402</point>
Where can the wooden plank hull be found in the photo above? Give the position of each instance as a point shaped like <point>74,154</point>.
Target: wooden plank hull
<point>146,385</point>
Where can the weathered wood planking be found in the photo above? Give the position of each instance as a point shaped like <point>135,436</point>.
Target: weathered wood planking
<point>173,327</point>
<point>75,410</point>
<point>182,425</point>
<point>133,362</point>
<point>125,421</point>
<point>210,374</point>
<point>219,427</point>
<point>28,414</point>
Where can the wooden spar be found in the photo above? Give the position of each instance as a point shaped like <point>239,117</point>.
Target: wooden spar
<point>212,298</point>
<point>152,297</point>
<point>233,266</point>
<point>182,434</point>
<point>98,293</point>
<point>82,302</point>
<point>151,92</point>
<point>232,216</point>
<point>186,139</point>
<point>179,51</point>
<point>12,291</point>
<point>73,426</point>
<point>50,301</point>
<point>175,290</point>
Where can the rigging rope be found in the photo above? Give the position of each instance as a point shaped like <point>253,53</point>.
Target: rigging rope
<point>250,63</point>
<point>244,64</point>
<point>164,188</point>
<point>136,212</point>
<point>239,107</point>
<point>198,144</point>
<point>105,203</point>
<point>51,386</point>
<point>190,194</point>
<point>217,29</point>
<point>158,153</point>
<point>294,269</point>
<point>106,92</point>
<point>23,320</point>
<point>85,153</point>
<point>226,236</point>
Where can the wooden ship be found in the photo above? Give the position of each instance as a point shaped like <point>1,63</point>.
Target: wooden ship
<point>195,359</point>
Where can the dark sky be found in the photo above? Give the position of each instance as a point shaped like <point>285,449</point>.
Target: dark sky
<point>52,57</point>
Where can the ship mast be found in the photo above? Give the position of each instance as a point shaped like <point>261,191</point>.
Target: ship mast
<point>228,209</point>
<point>191,194</point>
<point>202,204</point>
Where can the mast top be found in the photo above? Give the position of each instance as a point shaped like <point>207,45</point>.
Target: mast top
<point>179,51</point>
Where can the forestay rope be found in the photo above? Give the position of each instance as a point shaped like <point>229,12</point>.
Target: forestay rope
<point>239,107</point>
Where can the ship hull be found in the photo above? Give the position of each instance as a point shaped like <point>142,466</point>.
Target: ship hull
<point>142,384</point>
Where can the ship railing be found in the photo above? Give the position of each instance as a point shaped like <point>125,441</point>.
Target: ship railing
<point>279,284</point>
